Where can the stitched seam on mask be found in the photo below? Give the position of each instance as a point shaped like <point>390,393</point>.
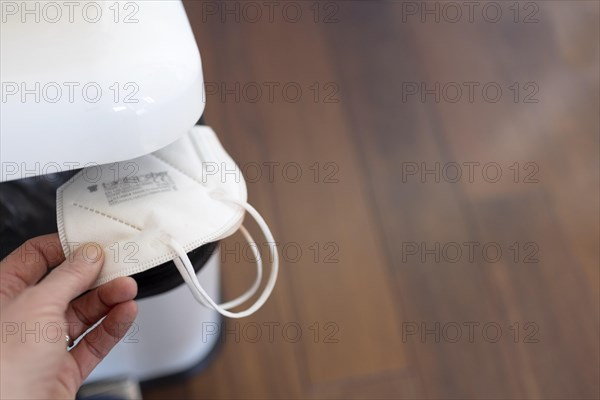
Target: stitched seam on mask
<point>60,220</point>
<point>178,169</point>
<point>107,216</point>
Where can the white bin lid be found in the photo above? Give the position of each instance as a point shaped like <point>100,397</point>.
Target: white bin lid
<point>93,83</point>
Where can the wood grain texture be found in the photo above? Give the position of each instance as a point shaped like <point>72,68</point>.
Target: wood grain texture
<point>352,313</point>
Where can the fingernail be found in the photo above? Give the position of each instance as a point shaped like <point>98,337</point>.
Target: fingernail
<point>91,253</point>
<point>133,284</point>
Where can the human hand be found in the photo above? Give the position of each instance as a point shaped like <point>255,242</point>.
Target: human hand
<point>38,310</point>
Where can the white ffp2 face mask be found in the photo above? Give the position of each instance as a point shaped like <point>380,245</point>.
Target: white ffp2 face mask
<point>156,208</point>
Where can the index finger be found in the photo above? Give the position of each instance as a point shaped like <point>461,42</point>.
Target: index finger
<point>28,264</point>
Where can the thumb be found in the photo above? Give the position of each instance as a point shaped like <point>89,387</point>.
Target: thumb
<point>75,275</point>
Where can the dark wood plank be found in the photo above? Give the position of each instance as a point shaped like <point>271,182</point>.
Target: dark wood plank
<point>442,132</point>
<point>374,214</point>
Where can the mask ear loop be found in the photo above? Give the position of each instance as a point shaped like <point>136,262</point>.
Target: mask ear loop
<point>259,273</point>
<point>192,279</point>
<point>184,265</point>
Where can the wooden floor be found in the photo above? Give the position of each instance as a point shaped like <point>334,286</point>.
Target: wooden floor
<point>379,295</point>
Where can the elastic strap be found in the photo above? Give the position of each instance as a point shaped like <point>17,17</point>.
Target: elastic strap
<point>186,269</point>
